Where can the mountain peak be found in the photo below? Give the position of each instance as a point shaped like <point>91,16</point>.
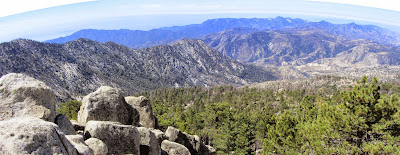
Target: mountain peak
<point>23,40</point>
<point>190,41</point>
<point>83,41</point>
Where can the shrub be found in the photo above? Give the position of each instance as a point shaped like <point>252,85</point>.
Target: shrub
<point>70,109</point>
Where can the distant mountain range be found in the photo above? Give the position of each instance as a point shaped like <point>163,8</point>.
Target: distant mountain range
<point>81,66</point>
<point>140,39</point>
<point>299,47</point>
<point>303,53</point>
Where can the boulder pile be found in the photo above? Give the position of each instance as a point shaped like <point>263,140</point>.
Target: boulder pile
<point>108,123</point>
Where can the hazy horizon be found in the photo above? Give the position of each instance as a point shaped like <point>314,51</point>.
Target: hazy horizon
<point>54,22</point>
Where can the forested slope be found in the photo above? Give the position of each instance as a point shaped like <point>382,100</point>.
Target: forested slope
<point>363,118</point>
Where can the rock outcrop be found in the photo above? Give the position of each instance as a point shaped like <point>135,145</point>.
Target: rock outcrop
<point>210,150</point>
<point>21,95</point>
<point>119,138</point>
<point>159,135</point>
<point>172,148</point>
<point>78,126</point>
<point>259,152</point>
<point>143,106</point>
<point>98,146</point>
<point>148,142</point>
<point>105,117</point>
<point>80,145</point>
<point>106,104</point>
<point>191,142</point>
<point>65,124</point>
<point>30,135</point>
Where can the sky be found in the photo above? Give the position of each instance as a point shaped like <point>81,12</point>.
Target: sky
<point>382,4</point>
<point>11,7</point>
<point>48,19</point>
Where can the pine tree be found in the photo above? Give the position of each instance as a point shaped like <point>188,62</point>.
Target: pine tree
<point>376,116</point>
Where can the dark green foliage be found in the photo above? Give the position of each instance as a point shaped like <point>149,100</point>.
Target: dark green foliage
<point>230,119</point>
<point>359,121</point>
<point>363,119</point>
<point>377,116</point>
<point>70,109</point>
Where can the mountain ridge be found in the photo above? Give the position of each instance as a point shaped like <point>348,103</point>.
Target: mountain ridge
<point>280,47</point>
<point>166,35</point>
<point>303,53</point>
<point>78,67</point>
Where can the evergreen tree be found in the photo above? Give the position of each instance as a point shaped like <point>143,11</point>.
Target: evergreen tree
<point>375,114</point>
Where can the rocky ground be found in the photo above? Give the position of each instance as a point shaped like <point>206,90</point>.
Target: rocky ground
<point>108,123</point>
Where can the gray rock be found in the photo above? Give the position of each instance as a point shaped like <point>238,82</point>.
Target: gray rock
<point>77,125</point>
<point>208,150</point>
<point>148,142</point>
<point>21,95</point>
<point>79,144</point>
<point>98,146</point>
<point>120,139</point>
<point>30,135</point>
<point>172,148</point>
<point>65,125</point>
<point>259,152</point>
<point>159,135</point>
<point>193,143</point>
<point>143,106</point>
<point>105,104</point>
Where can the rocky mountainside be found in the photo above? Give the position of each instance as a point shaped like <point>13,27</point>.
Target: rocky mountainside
<point>354,31</point>
<point>139,39</point>
<point>302,53</point>
<point>78,67</point>
<point>299,47</point>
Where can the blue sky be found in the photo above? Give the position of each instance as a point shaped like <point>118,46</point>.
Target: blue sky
<point>59,19</point>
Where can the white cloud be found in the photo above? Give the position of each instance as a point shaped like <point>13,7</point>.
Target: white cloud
<point>382,4</point>
<point>11,7</point>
